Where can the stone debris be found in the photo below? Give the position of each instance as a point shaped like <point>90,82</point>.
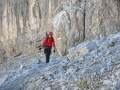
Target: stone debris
<point>97,69</point>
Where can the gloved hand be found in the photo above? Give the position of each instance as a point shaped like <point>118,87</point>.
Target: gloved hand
<point>54,51</point>
<point>40,48</point>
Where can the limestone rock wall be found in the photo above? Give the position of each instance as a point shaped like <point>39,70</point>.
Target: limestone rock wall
<point>83,20</point>
<point>23,23</point>
<point>102,18</point>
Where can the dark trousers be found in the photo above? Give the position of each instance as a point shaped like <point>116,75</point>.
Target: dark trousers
<point>47,52</point>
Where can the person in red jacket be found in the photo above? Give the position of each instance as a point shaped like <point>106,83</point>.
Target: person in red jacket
<point>48,43</point>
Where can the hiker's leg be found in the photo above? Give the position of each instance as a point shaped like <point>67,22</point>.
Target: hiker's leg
<point>48,52</point>
<point>47,58</point>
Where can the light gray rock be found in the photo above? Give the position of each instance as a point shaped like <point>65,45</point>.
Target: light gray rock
<point>91,46</point>
<point>98,27</point>
<point>117,73</point>
<point>48,88</point>
<point>107,82</point>
<point>94,19</point>
<point>117,86</point>
<point>81,50</point>
<point>102,70</point>
<point>36,61</point>
<point>66,28</point>
<point>31,86</point>
<point>104,45</point>
<point>3,79</point>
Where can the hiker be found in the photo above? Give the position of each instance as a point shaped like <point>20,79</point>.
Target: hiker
<point>48,43</point>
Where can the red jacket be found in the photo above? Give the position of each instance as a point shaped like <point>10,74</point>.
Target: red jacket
<point>48,42</point>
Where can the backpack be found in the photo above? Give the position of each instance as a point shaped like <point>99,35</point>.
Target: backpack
<point>47,38</point>
<point>45,48</point>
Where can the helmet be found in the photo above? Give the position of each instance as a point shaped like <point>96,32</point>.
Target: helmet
<point>51,33</point>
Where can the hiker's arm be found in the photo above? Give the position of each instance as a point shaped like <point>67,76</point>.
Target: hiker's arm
<point>53,43</point>
<point>44,42</point>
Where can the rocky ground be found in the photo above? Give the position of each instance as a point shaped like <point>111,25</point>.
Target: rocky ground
<point>93,65</point>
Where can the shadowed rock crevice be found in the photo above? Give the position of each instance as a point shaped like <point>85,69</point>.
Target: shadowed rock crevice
<point>84,21</point>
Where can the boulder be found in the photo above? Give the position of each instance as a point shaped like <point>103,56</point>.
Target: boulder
<point>81,49</point>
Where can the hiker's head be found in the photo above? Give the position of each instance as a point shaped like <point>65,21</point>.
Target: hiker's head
<point>50,33</point>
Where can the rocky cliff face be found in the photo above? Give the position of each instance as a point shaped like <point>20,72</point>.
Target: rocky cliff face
<point>23,23</point>
<point>83,20</point>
